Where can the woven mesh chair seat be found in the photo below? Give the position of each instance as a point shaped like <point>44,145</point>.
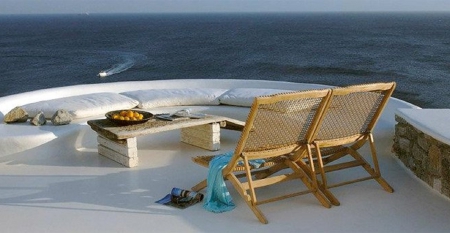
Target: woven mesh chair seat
<point>205,159</point>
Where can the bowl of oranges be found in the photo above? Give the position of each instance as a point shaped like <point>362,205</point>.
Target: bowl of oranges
<point>128,116</point>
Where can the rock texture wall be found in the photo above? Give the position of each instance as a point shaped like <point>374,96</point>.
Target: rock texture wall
<point>427,157</point>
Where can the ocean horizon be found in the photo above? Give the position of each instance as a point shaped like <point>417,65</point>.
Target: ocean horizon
<point>412,49</point>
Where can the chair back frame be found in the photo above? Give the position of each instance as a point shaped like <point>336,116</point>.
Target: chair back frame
<point>324,96</point>
<point>330,148</point>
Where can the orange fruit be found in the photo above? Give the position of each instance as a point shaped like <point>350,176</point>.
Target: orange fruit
<point>130,114</point>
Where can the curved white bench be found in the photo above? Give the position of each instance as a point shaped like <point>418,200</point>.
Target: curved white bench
<point>24,136</point>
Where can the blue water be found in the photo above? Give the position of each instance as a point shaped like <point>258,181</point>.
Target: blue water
<point>413,49</point>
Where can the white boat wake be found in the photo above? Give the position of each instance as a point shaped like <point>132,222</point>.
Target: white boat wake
<point>118,68</point>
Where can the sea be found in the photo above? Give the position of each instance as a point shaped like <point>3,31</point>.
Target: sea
<point>339,49</point>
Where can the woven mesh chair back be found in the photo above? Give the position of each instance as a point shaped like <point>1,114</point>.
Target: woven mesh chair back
<point>282,121</point>
<point>354,110</point>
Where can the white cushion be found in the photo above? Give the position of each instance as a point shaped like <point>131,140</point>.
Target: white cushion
<point>152,98</point>
<point>82,105</point>
<point>245,96</point>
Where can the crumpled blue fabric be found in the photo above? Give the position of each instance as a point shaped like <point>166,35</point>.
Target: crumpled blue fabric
<point>217,198</point>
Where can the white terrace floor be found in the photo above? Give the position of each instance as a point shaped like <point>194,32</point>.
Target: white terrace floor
<point>64,186</point>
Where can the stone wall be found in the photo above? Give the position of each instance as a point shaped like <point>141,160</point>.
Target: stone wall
<point>427,157</point>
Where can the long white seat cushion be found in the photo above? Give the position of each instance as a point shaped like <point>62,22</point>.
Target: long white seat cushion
<point>152,98</point>
<point>82,105</point>
<point>244,96</point>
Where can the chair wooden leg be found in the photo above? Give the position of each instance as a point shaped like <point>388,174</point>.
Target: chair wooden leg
<point>380,179</point>
<point>247,198</point>
<point>377,176</point>
<point>199,186</point>
<point>333,200</point>
<point>309,184</point>
<point>323,185</point>
<point>257,212</point>
<point>374,172</point>
<point>384,184</point>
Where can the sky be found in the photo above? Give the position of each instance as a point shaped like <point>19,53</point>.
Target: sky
<point>194,6</point>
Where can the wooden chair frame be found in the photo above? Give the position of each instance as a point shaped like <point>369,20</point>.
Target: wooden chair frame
<point>331,146</point>
<point>328,139</point>
<point>245,178</point>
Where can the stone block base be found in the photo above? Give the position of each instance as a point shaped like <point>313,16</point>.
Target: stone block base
<point>426,157</point>
<point>203,136</point>
<point>121,151</point>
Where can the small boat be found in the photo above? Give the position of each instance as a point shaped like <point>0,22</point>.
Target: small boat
<point>102,74</point>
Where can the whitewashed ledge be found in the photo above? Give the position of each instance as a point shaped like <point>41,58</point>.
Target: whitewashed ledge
<point>52,179</point>
<point>433,122</point>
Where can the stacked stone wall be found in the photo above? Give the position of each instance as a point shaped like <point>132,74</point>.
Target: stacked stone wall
<point>426,157</point>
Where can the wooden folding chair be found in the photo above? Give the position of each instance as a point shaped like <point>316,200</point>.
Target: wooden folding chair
<point>347,125</point>
<point>279,129</point>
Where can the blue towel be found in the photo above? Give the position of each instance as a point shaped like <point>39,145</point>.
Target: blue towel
<point>217,198</point>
